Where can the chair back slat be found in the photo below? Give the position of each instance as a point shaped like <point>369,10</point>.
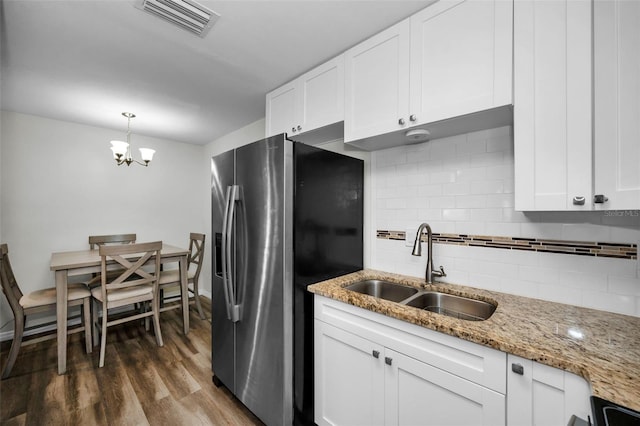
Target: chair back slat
<point>196,252</point>
<point>132,273</point>
<point>9,284</point>
<point>100,240</point>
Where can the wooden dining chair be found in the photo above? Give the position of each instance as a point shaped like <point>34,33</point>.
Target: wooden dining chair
<point>133,284</point>
<point>171,278</point>
<point>34,302</point>
<point>96,241</point>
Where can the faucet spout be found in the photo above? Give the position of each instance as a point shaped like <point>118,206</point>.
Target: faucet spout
<point>417,251</point>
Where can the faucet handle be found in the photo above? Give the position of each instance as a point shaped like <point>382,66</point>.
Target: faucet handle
<point>439,273</point>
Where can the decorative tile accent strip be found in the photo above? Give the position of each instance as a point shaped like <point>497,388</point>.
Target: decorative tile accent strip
<point>582,248</point>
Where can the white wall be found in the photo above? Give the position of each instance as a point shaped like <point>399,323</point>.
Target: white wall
<point>60,184</point>
<point>464,185</point>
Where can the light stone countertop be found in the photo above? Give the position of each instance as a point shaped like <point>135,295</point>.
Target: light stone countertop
<point>607,355</point>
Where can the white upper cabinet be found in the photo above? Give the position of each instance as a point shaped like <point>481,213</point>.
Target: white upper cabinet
<point>282,109</point>
<point>449,60</point>
<point>552,104</point>
<point>310,102</point>
<point>617,103</point>
<point>461,58</point>
<point>377,84</point>
<point>577,132</point>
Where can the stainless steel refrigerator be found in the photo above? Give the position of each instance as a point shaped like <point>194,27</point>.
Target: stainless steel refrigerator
<point>284,215</point>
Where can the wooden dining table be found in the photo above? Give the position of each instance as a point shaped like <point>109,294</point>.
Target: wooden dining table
<point>83,262</point>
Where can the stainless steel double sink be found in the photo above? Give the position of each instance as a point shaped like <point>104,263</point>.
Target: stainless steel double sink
<point>433,301</point>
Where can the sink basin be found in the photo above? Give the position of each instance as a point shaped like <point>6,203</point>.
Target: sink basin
<point>453,306</point>
<point>386,290</point>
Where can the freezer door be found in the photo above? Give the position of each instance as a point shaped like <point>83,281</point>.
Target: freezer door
<point>264,279</point>
<point>222,329</point>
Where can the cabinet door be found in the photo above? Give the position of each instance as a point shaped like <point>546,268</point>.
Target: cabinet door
<point>617,103</point>
<point>419,394</point>
<point>461,58</point>
<point>322,95</point>
<point>552,104</point>
<point>281,109</point>
<point>377,84</point>
<point>349,379</point>
<point>544,395</point>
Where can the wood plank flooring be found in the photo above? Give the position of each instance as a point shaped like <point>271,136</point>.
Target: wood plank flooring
<point>140,383</point>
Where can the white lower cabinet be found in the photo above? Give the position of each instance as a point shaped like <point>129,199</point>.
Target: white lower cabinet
<point>371,369</point>
<point>417,393</point>
<point>388,372</point>
<point>543,395</point>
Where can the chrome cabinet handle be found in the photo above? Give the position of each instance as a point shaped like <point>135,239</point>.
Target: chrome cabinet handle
<point>299,127</point>
<point>376,354</point>
<point>293,129</point>
<point>517,368</point>
<point>413,117</point>
<point>600,199</point>
<point>388,360</point>
<point>401,121</point>
<point>578,201</point>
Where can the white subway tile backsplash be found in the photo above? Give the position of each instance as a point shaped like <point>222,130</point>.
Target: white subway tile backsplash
<point>610,302</point>
<point>624,285</point>
<point>471,174</point>
<point>470,147</point>
<point>460,188</point>
<point>464,185</point>
<point>488,217</point>
<point>487,159</point>
<point>469,228</point>
<point>487,187</point>
<point>456,214</point>
<point>429,215</point>
<point>442,177</point>
<point>585,232</point>
<point>431,190</point>
<point>500,200</point>
<point>443,202</point>
<point>500,229</point>
<point>503,143</point>
<point>471,201</point>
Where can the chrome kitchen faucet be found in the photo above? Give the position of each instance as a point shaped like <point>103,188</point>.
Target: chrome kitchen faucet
<point>417,251</point>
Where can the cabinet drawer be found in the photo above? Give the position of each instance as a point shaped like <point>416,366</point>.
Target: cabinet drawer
<point>473,362</point>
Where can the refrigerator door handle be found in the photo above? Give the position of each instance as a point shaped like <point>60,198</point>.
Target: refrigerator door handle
<point>233,310</point>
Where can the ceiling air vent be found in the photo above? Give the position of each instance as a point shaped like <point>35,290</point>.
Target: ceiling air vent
<point>186,14</point>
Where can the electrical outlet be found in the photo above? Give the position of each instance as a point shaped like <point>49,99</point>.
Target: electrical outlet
<point>409,237</point>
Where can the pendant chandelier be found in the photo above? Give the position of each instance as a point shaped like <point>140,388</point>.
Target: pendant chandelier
<point>122,150</point>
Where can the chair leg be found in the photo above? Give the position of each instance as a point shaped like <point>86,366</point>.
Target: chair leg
<point>15,345</point>
<point>155,305</point>
<point>103,339</point>
<point>88,324</point>
<point>94,322</point>
<point>145,308</point>
<point>196,296</point>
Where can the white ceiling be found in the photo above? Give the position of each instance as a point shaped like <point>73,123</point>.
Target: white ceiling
<point>86,61</point>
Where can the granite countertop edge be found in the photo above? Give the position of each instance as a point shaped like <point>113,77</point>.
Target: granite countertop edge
<point>602,347</point>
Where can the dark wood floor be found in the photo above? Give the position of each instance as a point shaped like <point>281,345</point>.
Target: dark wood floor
<point>139,384</point>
